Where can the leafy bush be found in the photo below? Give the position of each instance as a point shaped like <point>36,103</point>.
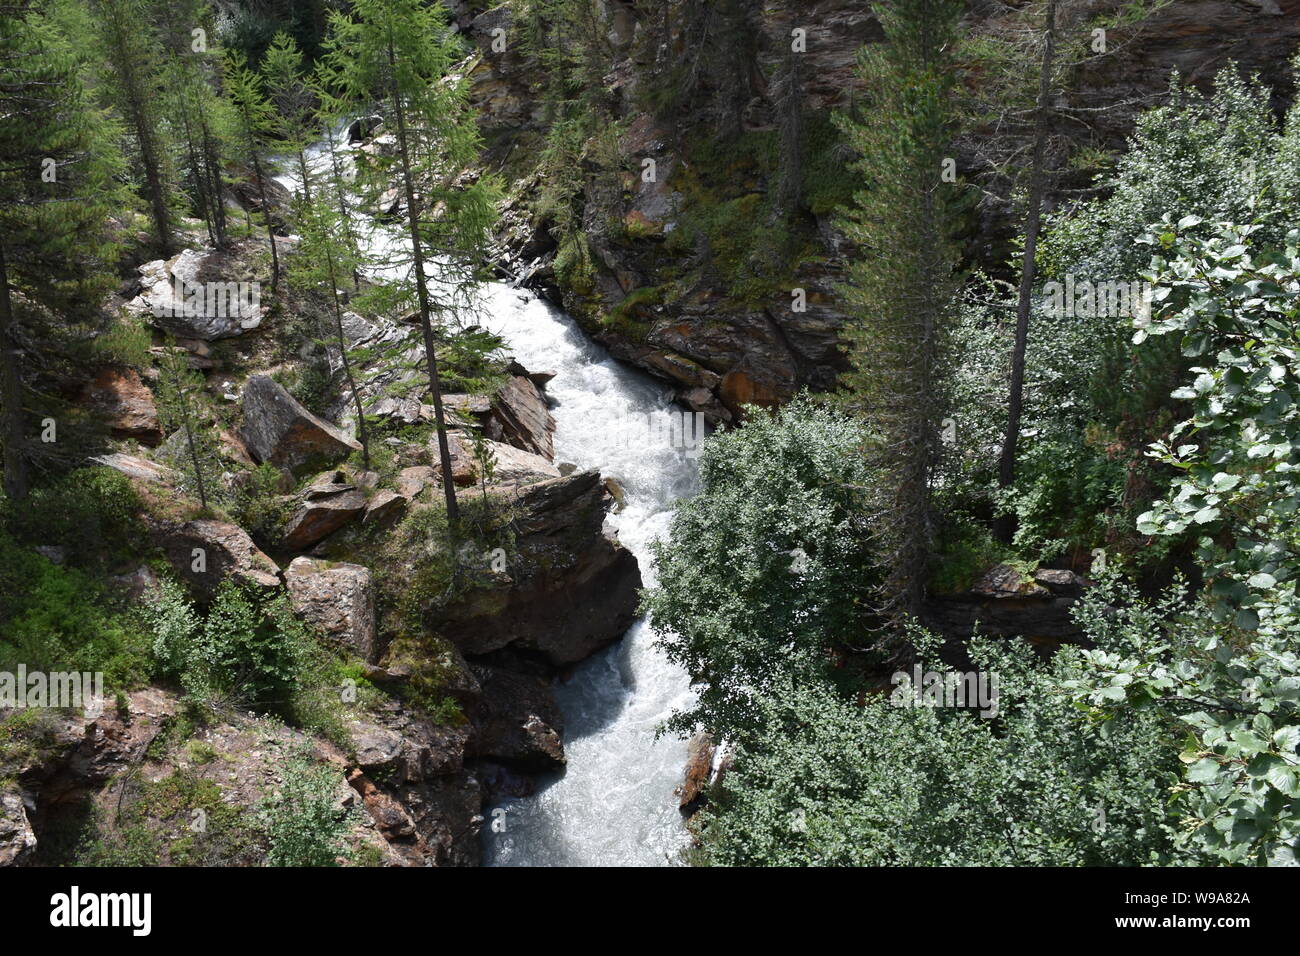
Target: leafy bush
<point>767,566</point>
<point>249,647</point>
<point>303,818</point>
<point>91,513</point>
<point>58,618</point>
<point>827,781</point>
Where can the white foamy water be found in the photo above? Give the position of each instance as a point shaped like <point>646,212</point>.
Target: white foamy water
<point>614,804</point>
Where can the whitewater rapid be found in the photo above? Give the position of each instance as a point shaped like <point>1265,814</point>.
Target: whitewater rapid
<point>614,804</point>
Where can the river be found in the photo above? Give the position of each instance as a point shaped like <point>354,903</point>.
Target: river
<point>614,803</point>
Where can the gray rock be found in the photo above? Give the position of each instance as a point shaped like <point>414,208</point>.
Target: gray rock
<point>337,598</point>
<point>279,430</point>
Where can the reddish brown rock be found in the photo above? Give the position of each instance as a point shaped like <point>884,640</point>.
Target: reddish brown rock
<point>122,401</point>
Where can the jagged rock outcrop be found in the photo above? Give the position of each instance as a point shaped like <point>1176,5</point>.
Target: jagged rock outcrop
<point>339,599</point>
<point>277,429</point>
<point>572,588</point>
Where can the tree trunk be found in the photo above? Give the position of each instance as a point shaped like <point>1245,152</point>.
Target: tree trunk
<point>1004,526</point>
<point>422,293</point>
<point>11,394</point>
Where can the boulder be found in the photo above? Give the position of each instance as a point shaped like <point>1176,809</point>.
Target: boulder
<point>572,589</point>
<point>384,506</point>
<point>324,509</point>
<point>699,769</point>
<point>141,469</point>
<point>197,295</point>
<point>516,721</point>
<point>279,430</point>
<point>523,419</point>
<point>122,401</point>
<point>339,599</point>
<point>205,553</point>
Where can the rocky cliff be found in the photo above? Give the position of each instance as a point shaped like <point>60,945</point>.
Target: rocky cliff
<point>683,274</point>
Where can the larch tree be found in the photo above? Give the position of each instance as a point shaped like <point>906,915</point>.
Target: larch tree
<point>254,122</point>
<point>902,284</point>
<point>59,166</point>
<point>133,56</point>
<point>402,53</point>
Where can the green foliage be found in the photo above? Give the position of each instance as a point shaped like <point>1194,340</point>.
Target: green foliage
<point>1231,677</point>
<point>90,513</point>
<point>57,618</point>
<point>125,342</point>
<point>767,565</point>
<point>303,819</point>
<point>248,649</point>
<point>158,825</point>
<point>260,507</point>
<point>826,781</point>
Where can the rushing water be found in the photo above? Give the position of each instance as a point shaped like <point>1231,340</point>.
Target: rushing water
<point>614,804</point>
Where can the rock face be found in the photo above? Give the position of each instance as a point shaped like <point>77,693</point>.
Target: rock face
<point>1006,603</point>
<point>195,295</point>
<point>277,429</point>
<point>574,590</point>
<point>517,721</point>
<point>206,552</point>
<point>719,353</point>
<point>337,598</point>
<point>413,782</point>
<point>125,404</point>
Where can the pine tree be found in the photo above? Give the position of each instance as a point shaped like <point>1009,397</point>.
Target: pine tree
<point>132,54</point>
<point>254,122</point>
<point>404,52</point>
<point>182,405</point>
<point>58,166</point>
<point>902,285</point>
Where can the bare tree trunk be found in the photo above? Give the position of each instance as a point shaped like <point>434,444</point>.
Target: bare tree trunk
<point>422,293</point>
<point>1004,526</point>
<point>11,394</point>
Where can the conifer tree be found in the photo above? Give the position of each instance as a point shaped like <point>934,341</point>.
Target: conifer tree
<point>194,106</point>
<point>181,405</point>
<point>133,55</point>
<point>901,285</point>
<point>254,121</point>
<point>404,52</point>
<point>58,166</point>
<point>325,258</point>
